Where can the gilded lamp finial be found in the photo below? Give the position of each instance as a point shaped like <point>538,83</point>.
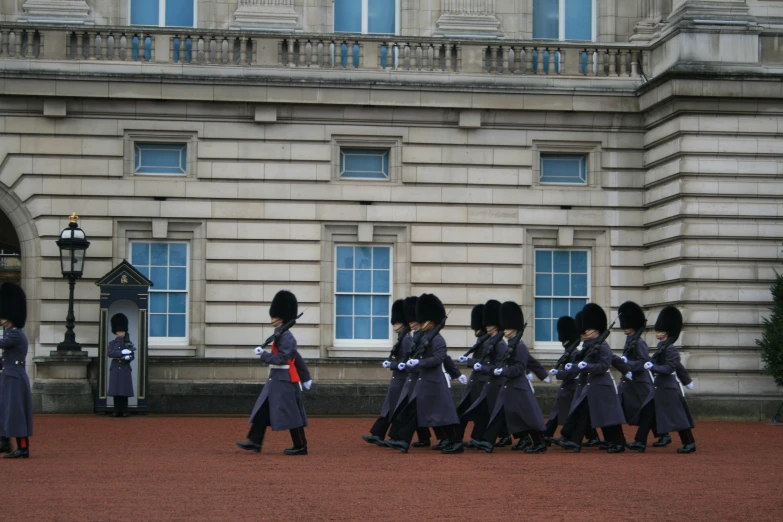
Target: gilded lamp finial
<point>74,218</point>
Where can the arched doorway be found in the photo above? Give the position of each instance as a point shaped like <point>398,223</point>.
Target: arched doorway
<point>10,252</point>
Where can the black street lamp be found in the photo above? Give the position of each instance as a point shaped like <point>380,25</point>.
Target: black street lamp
<point>73,246</point>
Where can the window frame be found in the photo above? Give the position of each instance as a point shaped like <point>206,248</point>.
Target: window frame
<point>387,153</point>
<point>584,156</point>
<point>162,15</point>
<point>360,343</point>
<point>184,144</point>
<point>189,139</point>
<point>168,341</point>
<point>561,23</point>
<point>593,162</point>
<point>555,345</point>
<point>393,143</point>
<point>365,19</point>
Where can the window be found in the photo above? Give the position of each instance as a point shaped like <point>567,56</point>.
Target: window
<point>564,19</point>
<point>366,16</point>
<point>362,295</point>
<point>166,265</point>
<point>160,159</point>
<point>564,168</point>
<point>364,163</point>
<point>561,288</point>
<point>164,13</point>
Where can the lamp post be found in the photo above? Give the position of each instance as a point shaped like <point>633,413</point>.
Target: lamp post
<point>73,246</point>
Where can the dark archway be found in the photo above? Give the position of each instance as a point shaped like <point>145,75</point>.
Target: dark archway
<point>10,252</point>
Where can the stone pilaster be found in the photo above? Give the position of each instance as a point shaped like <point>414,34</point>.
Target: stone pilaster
<point>468,18</point>
<point>62,11</point>
<point>266,14</point>
<point>723,10</point>
<point>654,13</point>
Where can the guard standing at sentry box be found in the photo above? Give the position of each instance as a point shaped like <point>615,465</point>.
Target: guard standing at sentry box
<point>120,373</point>
<point>16,398</point>
<point>280,403</point>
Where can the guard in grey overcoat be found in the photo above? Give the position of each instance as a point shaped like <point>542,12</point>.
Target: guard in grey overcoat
<point>664,439</point>
<point>120,373</point>
<point>634,390</point>
<point>666,409</point>
<point>280,403</point>
<point>16,398</point>
<point>516,409</point>
<point>477,380</point>
<point>568,335</point>
<point>596,402</point>
<point>430,403</point>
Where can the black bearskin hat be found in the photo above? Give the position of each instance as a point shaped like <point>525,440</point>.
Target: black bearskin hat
<point>669,321</point>
<point>13,304</point>
<point>429,308</point>
<point>593,317</point>
<point>284,306</point>
<point>567,331</point>
<point>409,309</point>
<point>579,323</point>
<point>119,323</point>
<point>492,313</point>
<point>631,316</point>
<point>397,314</point>
<point>511,317</point>
<point>477,317</point>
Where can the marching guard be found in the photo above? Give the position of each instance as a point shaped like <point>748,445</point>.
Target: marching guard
<point>120,373</point>
<point>665,409</point>
<point>634,390</point>
<point>568,335</point>
<point>280,403</point>
<point>16,398</point>
<point>477,380</point>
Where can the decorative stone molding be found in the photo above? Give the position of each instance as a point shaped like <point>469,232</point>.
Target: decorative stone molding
<point>468,18</point>
<point>709,10</point>
<point>654,13</point>
<point>266,14</point>
<point>63,11</point>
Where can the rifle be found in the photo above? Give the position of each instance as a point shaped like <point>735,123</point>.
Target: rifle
<point>567,355</point>
<point>276,336</point>
<point>424,341</point>
<point>405,331</point>
<point>666,344</point>
<point>511,353</point>
<point>478,344</point>
<point>630,346</point>
<point>486,353</point>
<point>597,343</point>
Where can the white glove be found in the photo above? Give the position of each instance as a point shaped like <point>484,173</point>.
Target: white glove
<point>498,371</point>
<point>689,386</point>
<point>648,365</point>
<point>477,367</point>
<point>462,359</point>
<point>568,366</point>
<point>258,350</point>
<point>552,372</point>
<point>582,365</point>
<point>462,379</point>
<point>629,376</point>
<point>401,366</point>
<point>413,362</point>
<point>530,377</point>
<point>127,357</point>
<point>386,364</point>
<point>126,352</point>
<point>624,358</point>
<point>547,380</point>
<point>307,385</point>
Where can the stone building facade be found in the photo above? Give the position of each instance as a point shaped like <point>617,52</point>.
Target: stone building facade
<point>357,151</point>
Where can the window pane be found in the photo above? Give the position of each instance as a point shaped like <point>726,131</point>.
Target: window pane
<point>158,303</point>
<point>177,278</point>
<point>563,168</point>
<point>543,330</point>
<point>348,16</point>
<point>364,163</point>
<point>140,254</point>
<point>578,284</point>
<point>177,302</point>
<point>160,254</point>
<point>363,281</point>
<point>380,16</point>
<point>579,262</point>
<point>576,306</point>
<point>546,19</point>
<point>380,328</point>
<point>344,305</point>
<point>543,284</point>
<point>381,257</point>
<point>177,325</point>
<point>144,270</point>
<point>561,262</point>
<point>361,326</point>
<point>345,281</point>
<point>144,12</point>
<point>363,257</point>
<point>160,158</point>
<point>178,254</point>
<point>159,278</point>
<point>380,281</point>
<point>179,13</point>
<point>561,285</point>
<point>559,308</point>
<point>361,305</point>
<point>578,19</point>
<point>543,308</point>
<point>157,325</point>
<point>380,306</point>
<point>543,260</point>
<point>344,328</point>
<point>344,257</point>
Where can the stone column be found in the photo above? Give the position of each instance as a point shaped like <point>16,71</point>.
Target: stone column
<point>654,13</point>
<point>468,18</point>
<point>64,11</point>
<point>266,14</point>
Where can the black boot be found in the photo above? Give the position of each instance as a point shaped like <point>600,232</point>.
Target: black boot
<point>398,444</point>
<point>482,444</point>
<point>569,445</point>
<point>505,441</point>
<point>470,445</point>
<point>522,444</point>
<point>250,446</point>
<point>421,444</point>
<point>548,441</point>
<point>663,442</point>
<point>372,439</point>
<point>5,445</point>
<point>592,442</point>
<point>615,448</point>
<point>540,448</point>
<point>18,454</point>
<point>637,446</point>
<point>456,447</point>
<point>688,448</point>
<point>442,445</point>
<point>296,451</point>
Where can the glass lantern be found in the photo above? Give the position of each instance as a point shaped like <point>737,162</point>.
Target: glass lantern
<point>73,245</point>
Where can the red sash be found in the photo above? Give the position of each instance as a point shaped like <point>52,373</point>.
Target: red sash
<point>291,366</point>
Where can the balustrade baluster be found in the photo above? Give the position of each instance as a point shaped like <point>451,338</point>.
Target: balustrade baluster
<point>504,53</point>
<point>79,45</point>
<point>291,58</point>
<point>91,43</point>
<point>318,54</point>
<point>593,59</point>
<point>111,47</point>
<point>104,45</point>
<point>4,42</point>
<point>634,64</point>
<point>529,60</point>
<point>448,58</point>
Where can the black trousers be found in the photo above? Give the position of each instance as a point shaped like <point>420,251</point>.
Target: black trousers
<point>498,428</point>
<point>406,424</point>
<point>648,423</point>
<point>121,405</point>
<point>262,421</point>
<point>551,428</point>
<point>479,416</point>
<point>578,425</point>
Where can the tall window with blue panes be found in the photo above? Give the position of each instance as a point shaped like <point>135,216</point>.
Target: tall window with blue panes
<point>563,20</point>
<point>562,287</point>
<point>162,13</point>
<point>365,17</point>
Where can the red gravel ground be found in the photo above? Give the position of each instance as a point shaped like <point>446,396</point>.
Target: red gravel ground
<point>188,468</point>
